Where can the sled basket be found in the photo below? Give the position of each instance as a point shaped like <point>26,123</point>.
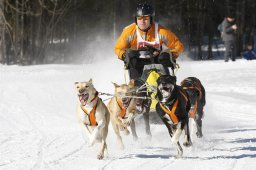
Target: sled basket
<point>149,76</point>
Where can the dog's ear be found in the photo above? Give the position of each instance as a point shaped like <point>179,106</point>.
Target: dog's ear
<point>175,79</point>
<point>116,85</point>
<point>76,85</point>
<point>158,80</point>
<point>90,81</point>
<point>131,83</point>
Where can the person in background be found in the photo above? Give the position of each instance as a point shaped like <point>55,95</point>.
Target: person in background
<point>145,33</point>
<point>229,29</point>
<point>250,53</point>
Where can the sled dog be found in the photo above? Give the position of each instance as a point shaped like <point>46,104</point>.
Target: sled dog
<point>122,110</point>
<point>93,114</point>
<point>196,94</point>
<point>173,107</point>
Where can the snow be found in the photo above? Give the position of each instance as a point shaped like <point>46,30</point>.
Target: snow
<point>39,128</point>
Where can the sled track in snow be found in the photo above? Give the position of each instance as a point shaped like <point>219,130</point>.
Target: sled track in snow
<point>39,161</point>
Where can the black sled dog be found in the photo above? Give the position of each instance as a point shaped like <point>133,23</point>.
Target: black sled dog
<point>173,107</point>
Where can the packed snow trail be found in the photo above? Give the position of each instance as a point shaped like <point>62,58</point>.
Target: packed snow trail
<point>39,128</point>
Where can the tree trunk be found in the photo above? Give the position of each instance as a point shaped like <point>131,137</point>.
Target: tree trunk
<point>210,26</point>
<point>240,22</point>
<point>2,33</point>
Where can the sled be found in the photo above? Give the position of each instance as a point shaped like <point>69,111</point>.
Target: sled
<point>148,79</point>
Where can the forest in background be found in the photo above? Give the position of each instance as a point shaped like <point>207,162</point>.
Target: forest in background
<point>72,31</point>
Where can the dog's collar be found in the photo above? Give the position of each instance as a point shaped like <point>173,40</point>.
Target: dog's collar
<point>123,109</point>
<point>95,96</point>
<point>168,103</point>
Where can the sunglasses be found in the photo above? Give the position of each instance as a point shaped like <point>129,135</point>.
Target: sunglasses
<point>142,17</point>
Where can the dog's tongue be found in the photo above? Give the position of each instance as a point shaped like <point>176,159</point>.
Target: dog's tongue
<point>82,100</point>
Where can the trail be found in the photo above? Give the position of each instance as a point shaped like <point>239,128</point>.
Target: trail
<point>39,128</point>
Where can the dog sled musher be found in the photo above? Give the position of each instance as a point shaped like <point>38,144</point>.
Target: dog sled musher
<point>144,38</point>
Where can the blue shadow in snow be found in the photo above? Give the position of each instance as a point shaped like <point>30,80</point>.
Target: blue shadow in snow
<point>223,157</point>
<point>131,156</point>
<point>236,130</point>
<point>240,140</point>
<point>153,156</point>
<point>249,148</point>
<point>231,157</point>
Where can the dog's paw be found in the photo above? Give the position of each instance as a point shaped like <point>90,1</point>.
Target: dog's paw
<point>187,144</point>
<point>148,132</point>
<point>127,123</point>
<point>135,137</point>
<point>122,127</point>
<point>149,137</point>
<point>179,156</point>
<point>126,132</point>
<point>100,156</point>
<point>199,134</point>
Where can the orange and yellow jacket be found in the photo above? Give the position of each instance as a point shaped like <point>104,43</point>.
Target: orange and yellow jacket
<point>128,39</point>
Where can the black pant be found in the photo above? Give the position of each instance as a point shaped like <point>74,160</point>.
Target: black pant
<point>230,50</point>
<point>136,64</point>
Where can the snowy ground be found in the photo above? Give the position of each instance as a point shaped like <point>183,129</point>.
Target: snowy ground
<point>39,128</point>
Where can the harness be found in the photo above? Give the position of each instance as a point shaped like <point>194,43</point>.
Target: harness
<point>171,113</point>
<point>123,109</point>
<point>91,114</point>
<point>195,85</point>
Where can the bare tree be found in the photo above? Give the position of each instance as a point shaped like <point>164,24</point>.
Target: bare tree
<point>2,32</point>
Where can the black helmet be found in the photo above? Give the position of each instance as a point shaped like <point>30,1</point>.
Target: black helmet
<point>145,9</point>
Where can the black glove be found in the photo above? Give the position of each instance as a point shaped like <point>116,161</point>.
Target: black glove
<point>153,51</point>
<point>132,53</point>
<point>126,60</point>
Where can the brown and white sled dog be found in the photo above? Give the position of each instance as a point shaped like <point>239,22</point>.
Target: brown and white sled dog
<point>122,111</point>
<point>196,94</point>
<point>93,114</point>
